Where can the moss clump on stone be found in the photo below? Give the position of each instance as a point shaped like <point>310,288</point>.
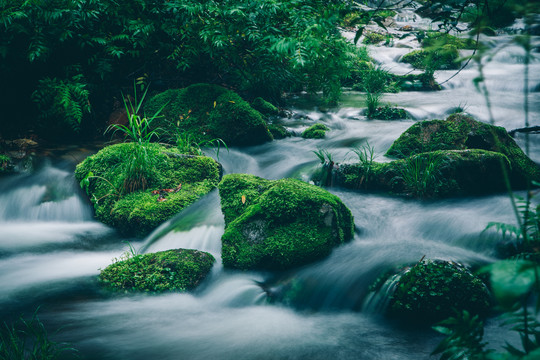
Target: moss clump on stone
<point>209,112</point>
<point>437,174</point>
<point>373,38</point>
<point>279,131</point>
<point>264,107</point>
<point>460,131</point>
<point>443,58</point>
<point>431,290</point>
<point>434,38</point>
<point>388,112</point>
<point>172,270</point>
<point>279,224</point>
<point>140,212</point>
<point>317,131</point>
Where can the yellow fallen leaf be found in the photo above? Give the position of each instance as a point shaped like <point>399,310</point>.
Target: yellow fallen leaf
<point>243,199</point>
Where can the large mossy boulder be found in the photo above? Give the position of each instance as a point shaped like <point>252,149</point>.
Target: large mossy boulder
<point>432,290</point>
<point>172,270</point>
<point>209,112</point>
<point>280,224</point>
<point>172,181</point>
<point>435,174</point>
<point>459,132</point>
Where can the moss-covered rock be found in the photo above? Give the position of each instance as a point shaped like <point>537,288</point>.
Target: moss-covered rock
<point>373,38</point>
<point>435,38</point>
<point>172,270</point>
<point>279,224</point>
<point>264,107</point>
<point>460,131</point>
<point>317,131</point>
<point>443,173</point>
<point>388,112</point>
<point>431,290</point>
<point>279,131</point>
<point>209,112</point>
<point>443,58</point>
<point>139,212</point>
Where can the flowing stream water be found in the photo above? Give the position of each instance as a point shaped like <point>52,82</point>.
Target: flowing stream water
<point>51,248</point>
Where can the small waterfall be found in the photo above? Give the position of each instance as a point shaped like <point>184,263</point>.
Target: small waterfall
<point>377,302</point>
<point>199,227</point>
<point>47,195</point>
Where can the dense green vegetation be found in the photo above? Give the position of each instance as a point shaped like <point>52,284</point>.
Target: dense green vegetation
<point>65,61</point>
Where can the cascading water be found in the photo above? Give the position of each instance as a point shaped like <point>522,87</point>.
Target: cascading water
<point>51,249</point>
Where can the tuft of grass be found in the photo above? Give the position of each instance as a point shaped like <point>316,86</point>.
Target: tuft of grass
<point>421,174</point>
<point>366,157</point>
<point>29,340</point>
<point>141,164</point>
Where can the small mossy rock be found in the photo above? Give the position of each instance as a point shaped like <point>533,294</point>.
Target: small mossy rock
<point>434,38</point>
<point>138,213</point>
<point>460,131</point>
<point>443,58</point>
<point>388,113</point>
<point>264,107</point>
<point>209,112</point>
<point>433,289</point>
<point>443,173</point>
<point>280,224</point>
<point>172,270</point>
<point>279,131</point>
<point>317,131</point>
<point>373,38</point>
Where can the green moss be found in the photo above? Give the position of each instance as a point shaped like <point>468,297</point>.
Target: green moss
<point>279,224</point>
<point>444,173</point>
<point>317,131</point>
<point>434,39</point>
<point>278,131</point>
<point>443,58</point>
<point>209,112</point>
<point>389,113</point>
<point>172,270</point>
<point>373,38</point>
<point>460,131</point>
<point>139,212</point>
<point>6,164</point>
<point>431,290</point>
<point>264,107</point>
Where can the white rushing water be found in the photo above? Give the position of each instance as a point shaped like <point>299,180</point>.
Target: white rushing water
<point>51,249</point>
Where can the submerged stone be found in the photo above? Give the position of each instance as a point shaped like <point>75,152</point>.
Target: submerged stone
<point>279,224</point>
<point>172,270</point>
<point>432,290</point>
<point>459,132</point>
<point>184,179</point>
<point>209,112</point>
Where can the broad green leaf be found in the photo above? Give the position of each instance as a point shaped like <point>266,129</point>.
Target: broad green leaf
<point>533,355</point>
<point>512,280</point>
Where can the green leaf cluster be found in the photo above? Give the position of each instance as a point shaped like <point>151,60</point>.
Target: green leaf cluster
<point>263,48</point>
